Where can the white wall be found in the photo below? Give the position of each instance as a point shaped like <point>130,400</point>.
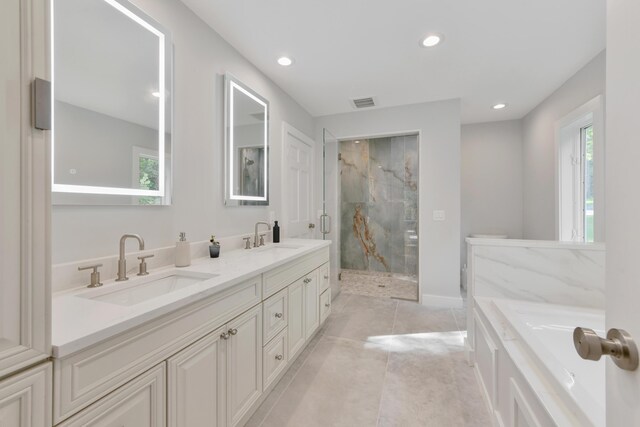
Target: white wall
<point>491,180</point>
<point>539,146</point>
<point>439,186</point>
<point>623,205</point>
<point>201,57</point>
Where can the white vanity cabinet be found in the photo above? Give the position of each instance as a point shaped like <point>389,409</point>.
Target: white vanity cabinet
<point>24,185</point>
<point>25,397</point>
<point>221,354</point>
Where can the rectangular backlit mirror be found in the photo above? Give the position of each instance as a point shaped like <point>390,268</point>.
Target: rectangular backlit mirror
<point>112,120</point>
<point>246,145</point>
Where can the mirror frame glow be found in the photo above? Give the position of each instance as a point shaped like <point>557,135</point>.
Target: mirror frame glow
<point>232,85</point>
<point>164,108</point>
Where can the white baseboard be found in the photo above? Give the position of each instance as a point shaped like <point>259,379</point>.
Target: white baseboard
<point>440,301</point>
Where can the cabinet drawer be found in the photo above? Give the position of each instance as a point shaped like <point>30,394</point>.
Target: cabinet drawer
<point>324,278</point>
<point>82,378</point>
<point>139,403</point>
<point>275,315</point>
<point>275,358</point>
<point>283,276</point>
<point>325,305</point>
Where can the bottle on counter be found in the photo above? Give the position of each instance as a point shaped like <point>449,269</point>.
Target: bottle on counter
<point>276,233</point>
<point>183,251</point>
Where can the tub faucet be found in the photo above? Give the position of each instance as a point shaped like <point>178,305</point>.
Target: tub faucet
<point>255,237</point>
<point>122,262</point>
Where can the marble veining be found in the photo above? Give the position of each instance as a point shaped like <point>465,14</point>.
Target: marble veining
<point>379,204</point>
<point>552,275</point>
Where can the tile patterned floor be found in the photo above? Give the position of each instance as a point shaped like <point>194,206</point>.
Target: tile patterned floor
<point>376,284</point>
<point>379,362</point>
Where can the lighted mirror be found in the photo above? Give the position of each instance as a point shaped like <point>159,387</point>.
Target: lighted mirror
<point>111,104</point>
<point>247,145</point>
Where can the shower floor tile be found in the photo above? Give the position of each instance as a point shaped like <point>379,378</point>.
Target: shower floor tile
<point>379,284</point>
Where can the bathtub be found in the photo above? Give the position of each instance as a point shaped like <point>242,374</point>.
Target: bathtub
<point>538,338</point>
<point>546,332</point>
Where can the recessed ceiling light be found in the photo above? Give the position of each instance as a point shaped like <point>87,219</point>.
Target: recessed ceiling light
<point>357,142</point>
<point>431,40</point>
<point>156,94</point>
<point>499,106</point>
<point>285,61</point>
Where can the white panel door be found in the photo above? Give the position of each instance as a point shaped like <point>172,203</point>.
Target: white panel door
<point>24,243</point>
<point>296,330</point>
<point>244,364</point>
<point>25,398</point>
<point>622,152</point>
<point>196,384</point>
<point>297,184</point>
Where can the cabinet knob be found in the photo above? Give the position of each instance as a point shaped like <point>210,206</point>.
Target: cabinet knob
<point>224,336</point>
<point>327,305</point>
<point>233,331</point>
<point>306,280</point>
<point>326,276</point>
<point>279,315</point>
<point>279,357</point>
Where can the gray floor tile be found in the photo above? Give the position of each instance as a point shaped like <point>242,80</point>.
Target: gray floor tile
<point>362,318</point>
<point>416,318</point>
<point>339,385</point>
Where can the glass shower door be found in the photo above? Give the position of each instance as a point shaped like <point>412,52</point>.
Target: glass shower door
<point>329,148</point>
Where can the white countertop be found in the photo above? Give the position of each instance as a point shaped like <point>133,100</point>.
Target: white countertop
<point>78,323</point>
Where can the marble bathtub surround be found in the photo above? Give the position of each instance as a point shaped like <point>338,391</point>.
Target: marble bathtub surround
<point>379,204</point>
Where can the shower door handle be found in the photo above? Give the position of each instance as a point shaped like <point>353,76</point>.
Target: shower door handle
<point>618,344</point>
<point>324,218</point>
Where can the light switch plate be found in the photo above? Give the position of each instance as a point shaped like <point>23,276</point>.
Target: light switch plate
<point>438,215</point>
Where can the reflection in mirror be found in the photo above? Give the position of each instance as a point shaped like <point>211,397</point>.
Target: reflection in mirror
<point>112,105</point>
<point>247,143</point>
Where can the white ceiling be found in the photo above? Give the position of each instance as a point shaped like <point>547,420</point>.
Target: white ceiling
<point>513,51</point>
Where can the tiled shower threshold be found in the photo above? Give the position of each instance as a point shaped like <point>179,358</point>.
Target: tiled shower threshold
<point>379,284</point>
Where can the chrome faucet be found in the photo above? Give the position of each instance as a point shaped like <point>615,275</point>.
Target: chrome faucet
<point>255,237</point>
<point>122,262</point>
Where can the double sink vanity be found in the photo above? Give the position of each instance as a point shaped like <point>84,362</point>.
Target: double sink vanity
<point>186,346</point>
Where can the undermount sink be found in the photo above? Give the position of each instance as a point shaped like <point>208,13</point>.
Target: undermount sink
<point>277,247</point>
<point>139,290</point>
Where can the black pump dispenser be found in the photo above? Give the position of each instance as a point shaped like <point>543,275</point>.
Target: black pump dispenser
<point>276,232</point>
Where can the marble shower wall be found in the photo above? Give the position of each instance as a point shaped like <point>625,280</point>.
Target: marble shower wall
<point>379,205</point>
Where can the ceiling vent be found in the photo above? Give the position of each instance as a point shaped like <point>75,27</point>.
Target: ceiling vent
<point>364,102</point>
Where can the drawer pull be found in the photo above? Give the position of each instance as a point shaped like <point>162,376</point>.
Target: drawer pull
<point>233,331</point>
<point>224,336</point>
<point>306,280</point>
<point>279,315</point>
<point>279,357</point>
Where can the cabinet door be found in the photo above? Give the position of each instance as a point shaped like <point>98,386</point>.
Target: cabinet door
<point>25,398</point>
<point>311,306</point>
<point>295,330</point>
<point>139,403</point>
<point>323,277</point>
<point>196,384</point>
<point>244,364</point>
<point>24,243</point>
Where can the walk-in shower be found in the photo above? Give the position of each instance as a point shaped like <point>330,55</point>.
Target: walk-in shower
<point>379,216</point>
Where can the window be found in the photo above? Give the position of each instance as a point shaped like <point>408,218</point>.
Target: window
<point>579,186</point>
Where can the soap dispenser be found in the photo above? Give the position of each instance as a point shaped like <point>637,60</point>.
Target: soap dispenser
<point>183,251</point>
